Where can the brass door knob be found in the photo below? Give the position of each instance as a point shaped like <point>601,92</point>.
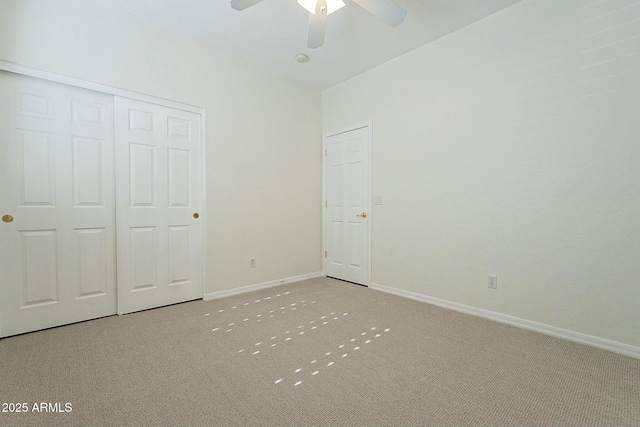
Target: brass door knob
<point>362,215</point>
<point>196,215</point>
<point>7,218</point>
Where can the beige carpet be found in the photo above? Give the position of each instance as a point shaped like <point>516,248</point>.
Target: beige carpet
<point>319,352</point>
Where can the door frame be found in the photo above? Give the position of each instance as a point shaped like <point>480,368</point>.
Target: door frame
<point>325,175</point>
<point>110,90</point>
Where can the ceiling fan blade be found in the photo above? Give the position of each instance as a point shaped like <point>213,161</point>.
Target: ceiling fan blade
<point>384,10</point>
<point>243,4</point>
<point>317,25</point>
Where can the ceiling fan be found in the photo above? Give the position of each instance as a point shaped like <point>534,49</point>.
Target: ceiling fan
<point>385,10</point>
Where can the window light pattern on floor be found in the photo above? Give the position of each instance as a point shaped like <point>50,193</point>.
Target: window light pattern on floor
<point>298,374</point>
<point>265,299</point>
<point>270,314</point>
<point>275,341</point>
<point>288,335</point>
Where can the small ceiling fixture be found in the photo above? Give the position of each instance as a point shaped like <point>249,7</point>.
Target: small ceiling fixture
<point>302,58</point>
<point>385,10</point>
<point>332,5</point>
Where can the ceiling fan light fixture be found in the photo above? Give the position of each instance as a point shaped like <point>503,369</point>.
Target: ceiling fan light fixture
<point>332,5</point>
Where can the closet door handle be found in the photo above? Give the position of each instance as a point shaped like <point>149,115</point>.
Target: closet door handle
<point>196,215</point>
<point>7,218</point>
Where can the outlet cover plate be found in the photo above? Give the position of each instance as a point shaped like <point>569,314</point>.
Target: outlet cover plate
<point>493,281</point>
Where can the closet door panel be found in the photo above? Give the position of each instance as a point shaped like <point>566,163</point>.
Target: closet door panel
<point>57,199</point>
<point>158,205</point>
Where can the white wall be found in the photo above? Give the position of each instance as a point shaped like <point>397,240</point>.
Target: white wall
<point>263,133</point>
<point>512,147</point>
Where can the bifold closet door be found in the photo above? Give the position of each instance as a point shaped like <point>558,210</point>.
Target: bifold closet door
<point>57,235</point>
<point>158,185</point>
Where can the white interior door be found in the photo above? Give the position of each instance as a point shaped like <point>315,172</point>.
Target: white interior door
<point>348,203</point>
<point>57,237</point>
<point>158,181</point>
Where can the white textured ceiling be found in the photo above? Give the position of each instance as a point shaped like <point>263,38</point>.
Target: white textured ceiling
<point>271,33</point>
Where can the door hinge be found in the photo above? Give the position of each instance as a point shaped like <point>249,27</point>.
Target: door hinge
<point>325,152</point>
<point>325,254</point>
<point>325,204</point>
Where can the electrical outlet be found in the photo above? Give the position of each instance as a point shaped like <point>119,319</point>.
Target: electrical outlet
<point>493,281</point>
<point>252,262</point>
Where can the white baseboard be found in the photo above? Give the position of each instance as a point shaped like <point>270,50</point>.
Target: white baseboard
<point>614,346</point>
<point>256,287</point>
